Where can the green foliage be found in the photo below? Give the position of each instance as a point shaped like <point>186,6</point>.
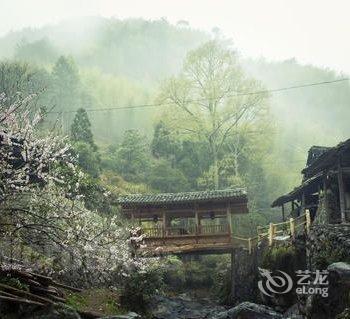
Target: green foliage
<point>88,158</point>
<point>104,301</point>
<point>188,157</point>
<point>140,286</point>
<point>165,143</point>
<point>260,156</point>
<point>18,80</point>
<point>280,258</point>
<point>133,157</point>
<point>244,160</point>
<point>328,254</point>
<point>14,282</point>
<point>84,145</point>
<point>196,275</point>
<point>76,300</point>
<point>190,273</point>
<point>107,90</point>
<point>202,107</point>
<point>96,196</point>
<point>81,128</point>
<point>174,273</point>
<point>245,225</point>
<point>162,177</point>
<point>65,84</point>
<point>39,51</point>
<point>118,185</point>
<point>227,175</point>
<point>222,283</point>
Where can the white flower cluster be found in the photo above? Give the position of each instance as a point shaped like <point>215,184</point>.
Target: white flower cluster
<point>26,158</point>
<point>39,196</point>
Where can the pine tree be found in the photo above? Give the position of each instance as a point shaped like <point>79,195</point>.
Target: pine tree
<point>84,145</point>
<point>65,84</point>
<point>81,129</point>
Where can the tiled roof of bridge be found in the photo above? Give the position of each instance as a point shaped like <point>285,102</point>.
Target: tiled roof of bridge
<point>169,198</point>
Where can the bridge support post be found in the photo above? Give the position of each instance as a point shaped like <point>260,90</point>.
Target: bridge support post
<point>233,274</point>
<point>229,219</point>
<point>244,275</point>
<point>198,222</point>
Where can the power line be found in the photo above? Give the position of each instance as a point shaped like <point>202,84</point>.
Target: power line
<point>140,106</point>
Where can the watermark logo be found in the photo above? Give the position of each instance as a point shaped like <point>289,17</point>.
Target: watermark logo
<point>307,283</point>
<point>280,283</point>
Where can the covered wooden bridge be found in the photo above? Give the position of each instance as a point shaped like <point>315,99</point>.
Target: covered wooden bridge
<point>192,222</point>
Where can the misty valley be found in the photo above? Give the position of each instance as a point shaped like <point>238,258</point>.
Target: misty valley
<point>150,169</point>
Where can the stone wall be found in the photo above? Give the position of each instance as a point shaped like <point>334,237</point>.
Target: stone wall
<point>328,248</point>
<point>244,276</point>
<point>328,244</point>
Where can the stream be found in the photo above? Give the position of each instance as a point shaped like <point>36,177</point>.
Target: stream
<point>184,307</point>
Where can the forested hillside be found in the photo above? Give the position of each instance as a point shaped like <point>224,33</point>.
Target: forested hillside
<point>126,64</point>
<point>93,108</point>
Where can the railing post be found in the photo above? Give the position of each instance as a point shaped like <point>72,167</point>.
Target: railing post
<point>250,245</point>
<point>258,232</point>
<point>308,221</point>
<point>292,227</point>
<point>198,221</point>
<point>271,234</point>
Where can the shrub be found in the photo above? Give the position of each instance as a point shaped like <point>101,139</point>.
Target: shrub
<point>141,285</point>
<point>280,258</point>
<point>174,273</point>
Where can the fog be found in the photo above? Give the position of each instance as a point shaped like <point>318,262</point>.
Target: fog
<point>109,54</point>
<point>216,104</point>
<point>311,31</point>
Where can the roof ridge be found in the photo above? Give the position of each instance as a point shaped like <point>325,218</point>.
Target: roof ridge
<point>191,192</point>
<point>183,196</point>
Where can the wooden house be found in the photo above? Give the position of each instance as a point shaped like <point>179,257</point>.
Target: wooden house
<point>325,187</point>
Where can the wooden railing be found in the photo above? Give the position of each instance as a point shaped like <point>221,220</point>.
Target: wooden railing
<point>270,232</point>
<point>193,230</point>
<point>247,243</point>
<point>288,228</point>
<point>213,229</point>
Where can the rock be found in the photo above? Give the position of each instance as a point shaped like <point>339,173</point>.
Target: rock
<point>182,308</point>
<point>293,313</point>
<point>340,272</point>
<point>248,310</point>
<point>344,315</point>
<point>52,312</point>
<point>129,315</point>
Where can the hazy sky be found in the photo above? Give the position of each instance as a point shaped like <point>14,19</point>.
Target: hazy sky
<point>313,31</point>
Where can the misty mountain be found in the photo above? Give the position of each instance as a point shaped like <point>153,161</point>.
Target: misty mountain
<point>145,51</point>
<point>138,54</point>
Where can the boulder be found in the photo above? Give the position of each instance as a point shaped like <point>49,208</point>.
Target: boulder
<point>182,307</point>
<point>340,272</point>
<point>129,315</point>
<point>249,310</point>
<point>293,312</point>
<point>52,312</point>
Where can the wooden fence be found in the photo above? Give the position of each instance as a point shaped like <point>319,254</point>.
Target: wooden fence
<point>285,229</point>
<point>192,230</point>
<point>272,232</point>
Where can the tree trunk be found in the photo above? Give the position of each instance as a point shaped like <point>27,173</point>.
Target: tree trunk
<point>235,157</point>
<point>216,169</point>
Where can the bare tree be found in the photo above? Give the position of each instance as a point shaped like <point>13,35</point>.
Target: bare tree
<point>210,99</point>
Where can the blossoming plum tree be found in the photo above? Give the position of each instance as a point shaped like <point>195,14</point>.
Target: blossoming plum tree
<point>42,210</point>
